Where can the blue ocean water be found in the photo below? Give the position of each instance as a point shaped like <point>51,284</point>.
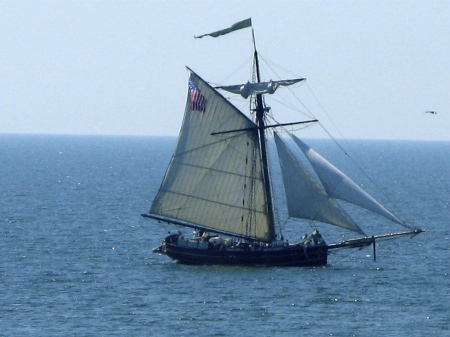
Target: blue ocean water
<point>76,255</point>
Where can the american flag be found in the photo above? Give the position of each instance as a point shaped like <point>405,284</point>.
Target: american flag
<point>198,101</point>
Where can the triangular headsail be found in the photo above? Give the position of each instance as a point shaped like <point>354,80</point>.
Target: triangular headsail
<point>215,181</point>
<point>339,186</point>
<point>306,198</point>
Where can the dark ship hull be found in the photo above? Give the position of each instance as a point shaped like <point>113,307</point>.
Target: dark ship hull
<point>206,253</point>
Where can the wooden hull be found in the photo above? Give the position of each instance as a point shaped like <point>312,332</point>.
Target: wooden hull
<point>292,255</point>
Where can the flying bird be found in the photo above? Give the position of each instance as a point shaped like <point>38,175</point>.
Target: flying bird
<point>431,112</point>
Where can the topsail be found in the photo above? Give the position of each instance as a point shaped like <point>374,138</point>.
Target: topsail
<point>249,89</point>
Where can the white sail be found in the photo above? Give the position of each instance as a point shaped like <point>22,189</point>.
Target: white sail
<point>306,198</point>
<point>215,181</point>
<point>339,186</point>
<point>248,89</point>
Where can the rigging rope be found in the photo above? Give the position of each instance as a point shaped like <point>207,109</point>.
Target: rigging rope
<point>353,160</point>
<point>352,251</point>
<point>309,114</point>
<point>338,144</point>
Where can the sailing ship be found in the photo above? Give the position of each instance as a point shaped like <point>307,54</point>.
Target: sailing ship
<point>219,182</point>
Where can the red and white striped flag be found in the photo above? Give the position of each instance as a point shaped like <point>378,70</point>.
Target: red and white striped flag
<point>198,101</point>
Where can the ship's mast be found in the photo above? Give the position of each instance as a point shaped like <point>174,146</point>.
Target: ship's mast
<point>260,111</point>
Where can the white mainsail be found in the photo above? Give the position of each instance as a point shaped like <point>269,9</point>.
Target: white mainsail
<point>215,181</point>
<point>339,186</point>
<point>306,198</point>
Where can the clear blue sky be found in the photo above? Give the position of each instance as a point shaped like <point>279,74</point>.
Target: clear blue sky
<point>118,67</point>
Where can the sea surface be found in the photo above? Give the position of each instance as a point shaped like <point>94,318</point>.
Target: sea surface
<point>76,256</point>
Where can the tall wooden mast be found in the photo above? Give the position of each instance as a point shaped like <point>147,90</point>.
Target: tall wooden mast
<point>260,111</point>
